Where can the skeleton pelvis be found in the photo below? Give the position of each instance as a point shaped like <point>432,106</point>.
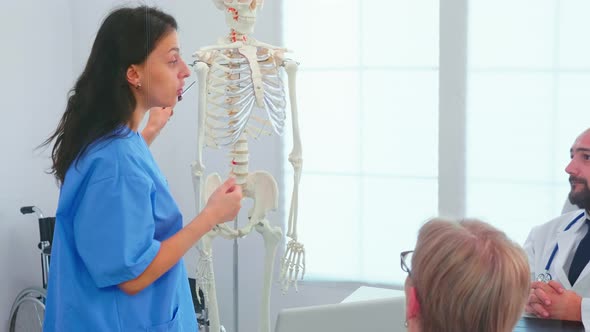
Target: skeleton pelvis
<point>260,186</point>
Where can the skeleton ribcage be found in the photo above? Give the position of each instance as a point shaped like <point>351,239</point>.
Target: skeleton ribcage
<point>232,105</point>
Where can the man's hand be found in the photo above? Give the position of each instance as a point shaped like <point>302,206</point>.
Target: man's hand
<point>551,300</point>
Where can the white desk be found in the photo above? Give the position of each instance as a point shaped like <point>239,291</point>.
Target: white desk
<point>366,309</point>
<point>364,293</point>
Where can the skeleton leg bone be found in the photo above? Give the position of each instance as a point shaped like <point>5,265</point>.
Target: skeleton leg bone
<point>205,273</point>
<point>206,279</point>
<point>272,237</point>
<point>263,189</point>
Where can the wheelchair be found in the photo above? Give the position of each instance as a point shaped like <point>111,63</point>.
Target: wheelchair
<point>28,310</point>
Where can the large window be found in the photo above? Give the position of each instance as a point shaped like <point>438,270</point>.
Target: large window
<point>373,123</point>
<point>528,99</point>
<point>367,97</point>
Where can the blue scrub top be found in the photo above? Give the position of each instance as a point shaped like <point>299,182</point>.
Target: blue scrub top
<point>114,209</point>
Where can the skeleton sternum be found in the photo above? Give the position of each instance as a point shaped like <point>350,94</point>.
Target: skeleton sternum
<point>239,163</point>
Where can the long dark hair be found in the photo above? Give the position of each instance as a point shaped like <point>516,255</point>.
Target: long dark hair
<point>102,100</point>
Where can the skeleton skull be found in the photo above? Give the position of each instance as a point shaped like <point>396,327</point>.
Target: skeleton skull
<point>240,15</point>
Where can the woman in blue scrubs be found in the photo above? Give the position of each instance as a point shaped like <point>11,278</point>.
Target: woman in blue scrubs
<point>116,261</point>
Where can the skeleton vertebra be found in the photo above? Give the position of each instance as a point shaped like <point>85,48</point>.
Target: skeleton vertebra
<point>241,96</point>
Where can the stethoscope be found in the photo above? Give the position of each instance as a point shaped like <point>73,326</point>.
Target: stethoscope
<point>546,276</point>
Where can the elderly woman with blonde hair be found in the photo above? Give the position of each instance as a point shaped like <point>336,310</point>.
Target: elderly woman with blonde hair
<point>464,276</point>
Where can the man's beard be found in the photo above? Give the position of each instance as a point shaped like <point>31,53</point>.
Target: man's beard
<point>581,198</point>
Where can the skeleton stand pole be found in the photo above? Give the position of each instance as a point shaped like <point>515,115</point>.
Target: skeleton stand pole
<point>236,272</point>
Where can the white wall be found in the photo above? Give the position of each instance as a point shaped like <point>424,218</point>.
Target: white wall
<point>35,78</point>
<point>46,47</point>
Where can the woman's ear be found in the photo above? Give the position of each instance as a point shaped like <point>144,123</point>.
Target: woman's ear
<point>133,76</point>
<point>413,304</point>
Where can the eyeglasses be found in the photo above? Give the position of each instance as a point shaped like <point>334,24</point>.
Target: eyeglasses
<point>406,261</point>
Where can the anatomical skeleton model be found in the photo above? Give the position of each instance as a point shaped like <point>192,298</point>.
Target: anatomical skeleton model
<point>241,96</point>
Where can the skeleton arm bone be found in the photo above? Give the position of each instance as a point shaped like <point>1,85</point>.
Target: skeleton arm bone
<point>295,157</point>
<point>197,166</point>
<point>293,262</point>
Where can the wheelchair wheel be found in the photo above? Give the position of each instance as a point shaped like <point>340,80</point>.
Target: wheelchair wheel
<point>38,292</point>
<point>28,311</point>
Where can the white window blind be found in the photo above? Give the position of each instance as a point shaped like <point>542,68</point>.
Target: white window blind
<point>367,99</point>
<point>528,83</point>
<point>375,167</point>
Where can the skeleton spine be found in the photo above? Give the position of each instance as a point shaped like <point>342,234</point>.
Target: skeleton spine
<point>239,163</point>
